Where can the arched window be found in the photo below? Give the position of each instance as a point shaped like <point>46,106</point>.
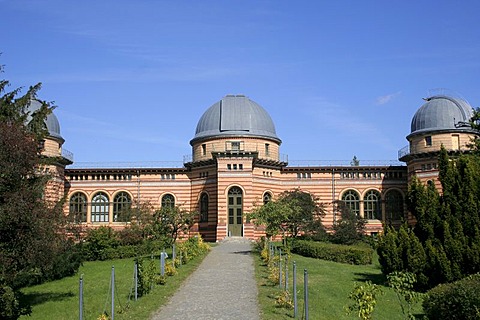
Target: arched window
<point>235,208</point>
<point>100,205</point>
<point>168,201</point>
<point>393,205</point>
<point>204,207</point>
<point>78,208</point>
<point>121,205</point>
<point>372,207</point>
<point>267,197</point>
<point>352,201</point>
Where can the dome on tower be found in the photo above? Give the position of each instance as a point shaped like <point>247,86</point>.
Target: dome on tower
<point>53,126</point>
<point>234,116</point>
<point>442,113</point>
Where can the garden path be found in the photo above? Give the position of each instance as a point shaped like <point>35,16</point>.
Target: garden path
<point>223,287</point>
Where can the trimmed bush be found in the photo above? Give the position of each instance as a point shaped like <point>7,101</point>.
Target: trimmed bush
<point>333,252</point>
<point>457,300</point>
<point>98,242</point>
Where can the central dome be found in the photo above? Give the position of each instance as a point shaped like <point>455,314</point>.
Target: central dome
<point>234,116</point>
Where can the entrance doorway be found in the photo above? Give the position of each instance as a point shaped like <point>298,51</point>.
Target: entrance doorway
<point>235,218</point>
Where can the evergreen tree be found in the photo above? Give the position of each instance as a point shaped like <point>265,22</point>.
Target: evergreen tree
<point>389,254</point>
<point>31,239</point>
<point>444,243</point>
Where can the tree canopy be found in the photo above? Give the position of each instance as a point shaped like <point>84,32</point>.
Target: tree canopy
<point>169,223</point>
<point>31,246</point>
<point>294,212</point>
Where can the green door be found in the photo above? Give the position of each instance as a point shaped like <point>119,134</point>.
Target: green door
<point>235,218</point>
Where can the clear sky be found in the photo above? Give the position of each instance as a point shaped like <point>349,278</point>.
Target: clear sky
<point>339,78</point>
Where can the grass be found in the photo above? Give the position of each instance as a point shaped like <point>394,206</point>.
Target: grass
<point>329,284</point>
<point>60,299</point>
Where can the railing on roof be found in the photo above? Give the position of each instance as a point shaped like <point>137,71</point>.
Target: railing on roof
<point>67,154</point>
<point>403,152</point>
<point>343,163</point>
<point>126,165</point>
<point>180,164</point>
<point>283,157</point>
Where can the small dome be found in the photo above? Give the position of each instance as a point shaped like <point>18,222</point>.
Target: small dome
<point>235,115</point>
<point>442,113</point>
<point>53,126</point>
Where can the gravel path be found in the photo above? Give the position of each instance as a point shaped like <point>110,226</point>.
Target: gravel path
<point>223,287</point>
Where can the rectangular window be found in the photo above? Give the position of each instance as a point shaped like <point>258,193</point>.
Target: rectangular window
<point>204,149</point>
<point>455,142</point>
<point>428,141</point>
<point>235,145</point>
<point>234,166</point>
<point>267,149</point>
<point>240,166</point>
<point>229,166</point>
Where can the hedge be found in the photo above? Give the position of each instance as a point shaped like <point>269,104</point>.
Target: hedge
<point>456,300</point>
<point>333,252</point>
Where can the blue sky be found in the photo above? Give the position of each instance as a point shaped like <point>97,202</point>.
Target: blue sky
<point>339,78</point>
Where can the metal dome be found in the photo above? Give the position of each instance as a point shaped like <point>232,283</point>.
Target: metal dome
<point>233,116</point>
<point>53,126</point>
<point>442,113</point>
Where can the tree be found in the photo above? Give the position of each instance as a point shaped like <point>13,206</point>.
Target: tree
<point>350,228</point>
<point>305,212</point>
<point>273,216</point>
<point>294,212</point>
<point>31,237</point>
<point>170,222</point>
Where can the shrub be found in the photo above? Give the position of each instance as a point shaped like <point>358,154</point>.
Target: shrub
<point>65,264</point>
<point>333,252</point>
<point>147,275</point>
<point>131,235</point>
<point>170,269</point>
<point>457,300</point>
<point>98,241</point>
<point>10,306</point>
<point>364,300</point>
<point>284,300</point>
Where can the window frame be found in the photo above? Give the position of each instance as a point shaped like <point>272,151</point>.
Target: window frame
<point>78,202</point>
<point>100,208</point>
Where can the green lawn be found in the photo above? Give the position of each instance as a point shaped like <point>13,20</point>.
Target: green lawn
<point>60,299</point>
<point>329,286</point>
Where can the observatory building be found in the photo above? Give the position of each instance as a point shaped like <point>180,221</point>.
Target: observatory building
<point>236,164</point>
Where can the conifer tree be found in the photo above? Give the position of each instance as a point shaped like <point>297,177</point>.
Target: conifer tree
<point>32,244</point>
<point>444,243</point>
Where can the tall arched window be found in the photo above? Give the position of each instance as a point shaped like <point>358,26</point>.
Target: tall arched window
<point>372,207</point>
<point>78,207</point>
<point>267,197</point>
<point>235,208</point>
<point>100,207</point>
<point>121,205</point>
<point>168,201</point>
<point>204,207</point>
<point>393,205</point>
<point>352,201</point>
